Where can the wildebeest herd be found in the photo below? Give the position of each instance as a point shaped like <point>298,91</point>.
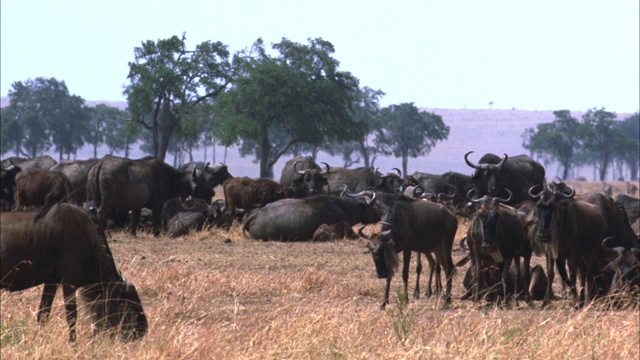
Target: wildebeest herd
<point>55,215</point>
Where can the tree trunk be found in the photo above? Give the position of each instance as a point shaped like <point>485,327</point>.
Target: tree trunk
<point>405,161</point>
<point>265,154</point>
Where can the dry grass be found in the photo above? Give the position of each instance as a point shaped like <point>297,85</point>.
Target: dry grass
<point>260,300</point>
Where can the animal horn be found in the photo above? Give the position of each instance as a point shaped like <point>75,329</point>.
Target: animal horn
<point>376,172</point>
<point>469,196</point>
<point>447,196</point>
<point>299,172</point>
<point>501,163</point>
<point>504,200</point>
<point>569,195</point>
<point>606,243</point>
<point>535,196</point>
<point>475,166</point>
<point>362,234</point>
<point>398,171</point>
<point>463,243</point>
<point>326,167</point>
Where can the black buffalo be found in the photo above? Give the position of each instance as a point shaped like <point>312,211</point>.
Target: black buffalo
<point>41,188</point>
<point>7,185</point>
<point>362,178</point>
<point>119,184</point>
<point>77,171</point>
<point>69,248</point>
<point>304,177</point>
<point>298,219</point>
<point>449,188</point>
<point>40,162</point>
<point>494,174</point>
<point>413,225</point>
<point>213,176</point>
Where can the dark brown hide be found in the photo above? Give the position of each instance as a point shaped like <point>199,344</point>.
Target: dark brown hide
<point>339,230</point>
<point>40,187</point>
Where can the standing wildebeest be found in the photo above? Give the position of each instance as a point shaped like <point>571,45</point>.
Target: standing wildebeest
<point>248,194</point>
<point>213,176</point>
<point>570,228</point>
<point>494,174</point>
<point>40,162</point>
<point>77,171</point>
<point>119,184</point>
<point>69,248</point>
<point>298,219</point>
<point>7,185</point>
<point>40,187</point>
<point>498,235</point>
<point>413,225</point>
<point>304,177</point>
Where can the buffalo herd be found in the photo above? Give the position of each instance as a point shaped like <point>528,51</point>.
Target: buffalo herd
<point>513,213</point>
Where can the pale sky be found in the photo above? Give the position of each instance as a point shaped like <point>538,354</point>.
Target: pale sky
<point>530,55</point>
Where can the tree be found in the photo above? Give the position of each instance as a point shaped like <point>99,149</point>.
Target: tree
<point>12,133</point>
<point>557,140</point>
<point>407,132</point>
<point>43,113</point>
<point>601,136</point>
<point>296,96</point>
<point>627,150</point>
<point>168,82</point>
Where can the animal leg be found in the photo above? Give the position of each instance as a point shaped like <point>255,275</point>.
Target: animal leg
<point>548,295</point>
<point>386,293</point>
<point>406,262</point>
<point>48,293</point>
<point>416,291</point>
<point>71,309</point>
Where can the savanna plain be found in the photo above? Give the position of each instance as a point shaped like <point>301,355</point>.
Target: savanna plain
<point>207,298</point>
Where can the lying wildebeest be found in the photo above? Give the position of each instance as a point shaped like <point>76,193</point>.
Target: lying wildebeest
<point>41,187</point>
<point>118,184</point>
<point>68,247</point>
<point>298,219</point>
<point>40,162</point>
<point>339,230</point>
<point>213,176</point>
<point>497,235</point>
<point>494,289</point>
<point>570,228</point>
<point>248,194</point>
<point>7,185</point>
<point>304,177</point>
<point>77,171</point>
<point>413,225</point>
<point>494,174</point>
<point>623,263</point>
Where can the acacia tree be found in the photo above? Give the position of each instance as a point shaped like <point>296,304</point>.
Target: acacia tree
<point>168,82</point>
<point>296,96</point>
<point>557,140</point>
<point>601,137</point>
<point>407,132</point>
<point>627,149</point>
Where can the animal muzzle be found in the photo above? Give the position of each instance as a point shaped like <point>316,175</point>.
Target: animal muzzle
<point>543,236</point>
<point>489,245</point>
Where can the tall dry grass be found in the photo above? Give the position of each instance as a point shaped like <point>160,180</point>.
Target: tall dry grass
<point>248,299</point>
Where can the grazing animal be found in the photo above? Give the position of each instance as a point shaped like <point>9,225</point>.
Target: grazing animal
<point>298,219</point>
<point>119,184</point>
<point>8,185</point>
<point>623,263</point>
<point>41,187</point>
<point>304,177</point>
<point>213,176</point>
<point>77,171</point>
<point>573,229</point>
<point>449,188</point>
<point>339,230</point>
<point>413,225</point>
<point>497,236</point>
<point>248,194</point>
<point>494,174</point>
<point>68,247</point>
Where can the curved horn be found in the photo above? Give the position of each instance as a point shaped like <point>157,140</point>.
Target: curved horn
<point>475,166</point>
<point>345,190</point>
<point>386,233</point>
<point>504,200</point>
<point>535,196</point>
<point>569,195</point>
<point>326,167</point>
<point>462,243</point>
<point>447,196</point>
<point>299,172</point>
<point>376,172</point>
<point>606,243</point>
<point>417,191</point>
<point>501,163</point>
<point>469,197</point>
<point>398,171</point>
<point>362,234</point>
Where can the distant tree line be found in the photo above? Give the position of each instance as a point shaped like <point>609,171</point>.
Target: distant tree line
<point>598,139</point>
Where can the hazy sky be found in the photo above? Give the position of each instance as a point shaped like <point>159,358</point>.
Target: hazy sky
<point>543,55</point>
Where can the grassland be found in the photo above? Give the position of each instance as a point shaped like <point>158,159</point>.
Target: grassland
<point>248,299</point>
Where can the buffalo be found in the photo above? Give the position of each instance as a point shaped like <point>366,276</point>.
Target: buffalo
<point>248,194</point>
<point>413,225</point>
<point>494,174</point>
<point>631,206</point>
<point>362,178</point>
<point>213,176</point>
<point>68,247</point>
<point>7,185</point>
<point>449,188</point>
<point>41,162</point>
<point>77,171</point>
<point>304,177</point>
<point>298,219</point>
<point>120,184</point>
<point>40,187</point>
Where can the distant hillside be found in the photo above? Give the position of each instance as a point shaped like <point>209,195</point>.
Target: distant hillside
<point>481,130</point>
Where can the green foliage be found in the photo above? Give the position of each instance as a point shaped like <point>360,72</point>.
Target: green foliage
<point>403,319</point>
<point>169,83</point>
<point>297,96</point>
<point>407,132</point>
<point>602,137</point>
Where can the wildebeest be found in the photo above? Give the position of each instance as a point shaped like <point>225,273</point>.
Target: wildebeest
<point>413,225</point>
<point>68,247</point>
<point>41,187</point>
<point>40,162</point>
<point>570,228</point>
<point>248,194</point>
<point>213,176</point>
<point>7,185</point>
<point>498,235</point>
<point>77,171</point>
<point>304,177</point>
<point>298,219</point>
<point>494,174</point>
<point>339,230</point>
<point>119,184</point>
<point>493,279</point>
<point>631,206</point>
<point>450,188</point>
<point>623,263</point>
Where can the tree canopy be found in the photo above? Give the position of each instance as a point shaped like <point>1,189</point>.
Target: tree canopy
<point>297,95</point>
